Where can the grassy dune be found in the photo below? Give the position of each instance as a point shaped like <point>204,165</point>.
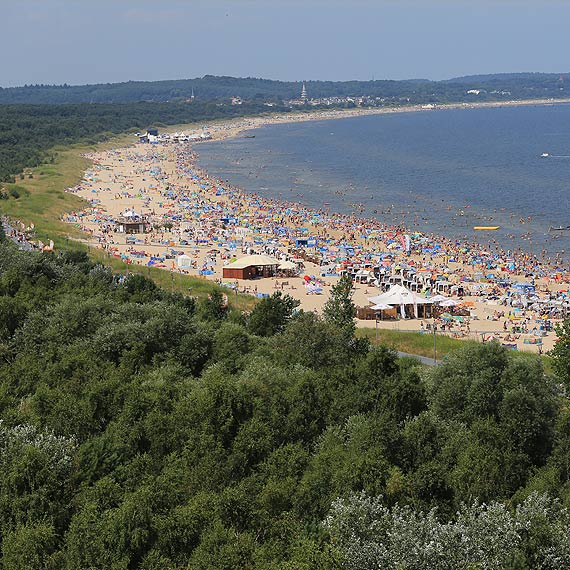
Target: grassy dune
<point>414,343</point>
<point>42,201</point>
<point>175,282</point>
<point>43,198</point>
<point>423,345</point>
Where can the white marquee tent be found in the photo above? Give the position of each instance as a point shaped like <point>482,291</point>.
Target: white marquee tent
<point>184,261</point>
<point>399,295</point>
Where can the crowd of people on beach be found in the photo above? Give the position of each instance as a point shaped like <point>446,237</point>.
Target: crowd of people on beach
<point>186,210</point>
<point>215,211</point>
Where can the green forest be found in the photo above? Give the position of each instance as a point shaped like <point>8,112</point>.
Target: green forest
<point>497,86</point>
<point>145,429</point>
<point>29,132</point>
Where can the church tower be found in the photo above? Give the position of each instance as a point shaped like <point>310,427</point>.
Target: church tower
<point>304,97</point>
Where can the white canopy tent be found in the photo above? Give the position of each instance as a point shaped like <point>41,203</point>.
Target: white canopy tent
<point>398,295</point>
<point>381,307</point>
<point>184,261</point>
<point>450,303</point>
<point>438,298</point>
<point>287,265</point>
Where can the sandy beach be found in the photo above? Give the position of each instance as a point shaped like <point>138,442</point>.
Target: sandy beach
<point>189,213</point>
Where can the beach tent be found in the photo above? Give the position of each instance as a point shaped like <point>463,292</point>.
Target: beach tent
<point>398,295</point>
<point>362,274</point>
<point>306,242</point>
<point>381,307</point>
<point>438,298</point>
<point>184,261</point>
<point>449,303</point>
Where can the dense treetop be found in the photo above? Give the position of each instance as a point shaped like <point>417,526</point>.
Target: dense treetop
<point>29,132</point>
<point>142,429</point>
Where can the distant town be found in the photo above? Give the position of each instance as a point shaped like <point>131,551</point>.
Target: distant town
<point>304,100</point>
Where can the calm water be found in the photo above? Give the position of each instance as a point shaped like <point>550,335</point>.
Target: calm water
<point>440,171</point>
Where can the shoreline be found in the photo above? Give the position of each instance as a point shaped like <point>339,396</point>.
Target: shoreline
<point>237,126</point>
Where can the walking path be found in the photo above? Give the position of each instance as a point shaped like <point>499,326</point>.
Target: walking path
<point>16,236</point>
<point>422,359</point>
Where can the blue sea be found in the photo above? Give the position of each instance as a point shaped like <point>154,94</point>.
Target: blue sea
<point>442,171</point>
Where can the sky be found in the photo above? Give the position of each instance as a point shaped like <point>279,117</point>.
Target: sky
<point>108,41</point>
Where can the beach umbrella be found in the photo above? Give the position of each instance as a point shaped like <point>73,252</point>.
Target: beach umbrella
<point>381,307</point>
<point>449,303</point>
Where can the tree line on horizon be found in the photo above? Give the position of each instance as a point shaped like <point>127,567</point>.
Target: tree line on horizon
<point>418,91</point>
<point>144,429</point>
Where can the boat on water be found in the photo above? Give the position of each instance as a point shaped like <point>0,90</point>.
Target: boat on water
<point>485,228</point>
<point>559,229</point>
<point>545,155</point>
<point>249,137</point>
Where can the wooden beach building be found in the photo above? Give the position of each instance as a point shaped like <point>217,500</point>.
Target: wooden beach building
<point>251,267</point>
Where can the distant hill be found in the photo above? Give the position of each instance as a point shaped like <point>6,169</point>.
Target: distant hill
<point>207,87</point>
<point>529,77</point>
<point>515,85</point>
